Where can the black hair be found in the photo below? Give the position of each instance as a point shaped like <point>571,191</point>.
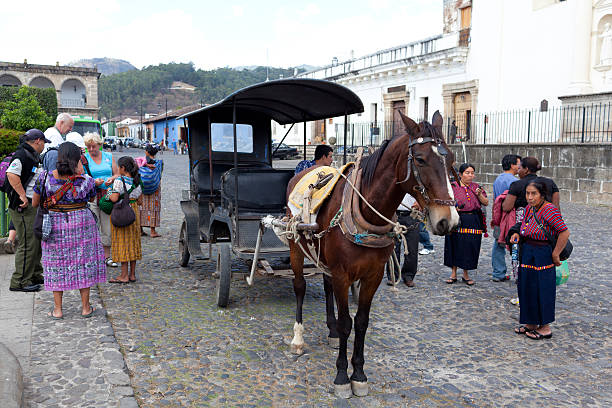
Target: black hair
<point>129,164</point>
<point>465,166</point>
<point>68,156</point>
<point>541,187</point>
<point>369,163</point>
<point>531,163</point>
<point>322,151</point>
<point>509,160</point>
<point>152,150</point>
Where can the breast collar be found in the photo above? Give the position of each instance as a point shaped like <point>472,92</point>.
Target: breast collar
<point>411,167</point>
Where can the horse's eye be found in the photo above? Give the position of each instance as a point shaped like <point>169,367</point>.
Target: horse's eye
<point>420,161</point>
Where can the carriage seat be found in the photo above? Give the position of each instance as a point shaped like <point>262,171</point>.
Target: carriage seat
<point>201,176</point>
<point>259,189</point>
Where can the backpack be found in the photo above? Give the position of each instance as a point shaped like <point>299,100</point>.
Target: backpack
<point>4,165</point>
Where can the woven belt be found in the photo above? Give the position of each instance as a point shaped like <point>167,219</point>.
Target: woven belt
<point>469,231</point>
<point>67,207</point>
<point>537,268</point>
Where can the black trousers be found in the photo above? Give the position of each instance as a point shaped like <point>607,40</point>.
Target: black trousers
<point>410,261</point>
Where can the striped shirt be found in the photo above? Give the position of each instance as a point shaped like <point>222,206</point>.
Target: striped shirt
<point>551,220</point>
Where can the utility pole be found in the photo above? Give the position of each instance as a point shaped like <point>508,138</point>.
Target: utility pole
<point>166,130</point>
<point>140,136</point>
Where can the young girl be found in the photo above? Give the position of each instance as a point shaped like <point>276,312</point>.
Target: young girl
<point>125,241</point>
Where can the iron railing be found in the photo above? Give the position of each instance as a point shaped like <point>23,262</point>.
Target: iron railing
<point>72,103</point>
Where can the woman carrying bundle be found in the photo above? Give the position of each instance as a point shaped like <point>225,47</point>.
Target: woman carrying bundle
<point>150,208</point>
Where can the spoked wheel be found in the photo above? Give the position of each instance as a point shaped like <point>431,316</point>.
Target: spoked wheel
<point>224,269</point>
<point>183,248</point>
<point>355,287</point>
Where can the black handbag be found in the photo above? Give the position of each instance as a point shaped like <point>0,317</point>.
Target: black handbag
<point>41,211</point>
<point>566,252</point>
<point>122,214</point>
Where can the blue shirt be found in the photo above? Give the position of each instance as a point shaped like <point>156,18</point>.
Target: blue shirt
<point>502,183</point>
<point>304,164</point>
<point>104,170</point>
<point>50,160</point>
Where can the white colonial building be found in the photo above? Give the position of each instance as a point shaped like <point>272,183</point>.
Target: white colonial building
<point>505,65</point>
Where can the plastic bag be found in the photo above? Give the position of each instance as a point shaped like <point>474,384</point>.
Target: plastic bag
<point>562,273</point>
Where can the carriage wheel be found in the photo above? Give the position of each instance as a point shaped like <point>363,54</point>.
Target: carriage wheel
<point>183,248</point>
<point>355,287</point>
<point>224,268</point>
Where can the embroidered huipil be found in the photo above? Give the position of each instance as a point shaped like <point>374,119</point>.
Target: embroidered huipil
<point>549,217</point>
<point>466,197</point>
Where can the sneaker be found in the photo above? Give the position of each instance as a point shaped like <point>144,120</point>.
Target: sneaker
<point>505,278</point>
<point>426,251</point>
<point>9,247</point>
<point>514,301</point>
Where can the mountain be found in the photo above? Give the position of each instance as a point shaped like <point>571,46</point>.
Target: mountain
<point>107,66</point>
<point>148,89</point>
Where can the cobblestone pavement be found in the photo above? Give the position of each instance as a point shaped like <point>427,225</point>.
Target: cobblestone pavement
<point>433,345</point>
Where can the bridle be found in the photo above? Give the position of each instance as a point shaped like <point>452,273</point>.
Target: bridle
<point>411,167</point>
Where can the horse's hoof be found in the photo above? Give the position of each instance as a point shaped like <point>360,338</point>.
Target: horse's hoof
<point>333,342</point>
<point>343,390</point>
<point>297,349</point>
<point>360,389</point>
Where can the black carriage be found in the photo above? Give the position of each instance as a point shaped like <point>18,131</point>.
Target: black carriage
<point>232,181</point>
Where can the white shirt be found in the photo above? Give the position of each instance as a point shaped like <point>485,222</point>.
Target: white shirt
<point>54,136</point>
<point>118,188</point>
<point>407,203</point>
<point>16,168</point>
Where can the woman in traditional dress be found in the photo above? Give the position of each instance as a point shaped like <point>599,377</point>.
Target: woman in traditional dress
<point>537,275</point>
<point>126,247</point>
<point>150,209</point>
<point>72,256</point>
<point>102,167</point>
<point>462,247</point>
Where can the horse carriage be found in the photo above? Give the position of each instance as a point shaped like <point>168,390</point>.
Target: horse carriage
<point>232,183</point>
<point>237,200</point>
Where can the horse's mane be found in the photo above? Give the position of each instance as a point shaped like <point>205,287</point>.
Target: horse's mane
<point>368,164</point>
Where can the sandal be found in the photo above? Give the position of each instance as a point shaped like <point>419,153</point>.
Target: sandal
<point>50,315</point>
<point>109,262</point>
<point>536,335</point>
<point>119,281</point>
<point>450,281</point>
<point>88,315</point>
<point>468,281</point>
<point>522,330</point>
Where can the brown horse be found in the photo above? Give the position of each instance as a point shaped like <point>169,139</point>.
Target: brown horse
<point>417,163</point>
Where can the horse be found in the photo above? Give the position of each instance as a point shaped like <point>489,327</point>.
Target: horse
<point>416,163</point>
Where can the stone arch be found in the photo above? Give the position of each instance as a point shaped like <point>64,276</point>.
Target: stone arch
<point>42,82</point>
<point>73,93</point>
<point>9,80</point>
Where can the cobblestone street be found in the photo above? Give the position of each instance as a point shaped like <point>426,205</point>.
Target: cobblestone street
<point>432,345</point>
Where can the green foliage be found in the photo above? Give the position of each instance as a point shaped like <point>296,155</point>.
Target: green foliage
<point>127,91</point>
<point>47,98</point>
<point>24,112</point>
<point>9,140</point>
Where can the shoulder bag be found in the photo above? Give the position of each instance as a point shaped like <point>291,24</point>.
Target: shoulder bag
<point>566,252</point>
<point>122,214</point>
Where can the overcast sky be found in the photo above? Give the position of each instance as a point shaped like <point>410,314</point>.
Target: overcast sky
<point>211,33</point>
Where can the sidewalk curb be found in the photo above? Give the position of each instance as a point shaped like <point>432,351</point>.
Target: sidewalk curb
<point>11,379</point>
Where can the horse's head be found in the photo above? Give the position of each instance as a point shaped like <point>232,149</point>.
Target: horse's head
<point>424,173</point>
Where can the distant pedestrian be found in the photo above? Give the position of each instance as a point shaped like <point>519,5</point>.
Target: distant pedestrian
<point>425,240</point>
<point>510,164</point>
<point>11,241</point>
<point>537,277</point>
<point>324,156</point>
<point>453,133</point>
<point>462,247</point>
<point>150,208</point>
<point>20,178</point>
<point>126,246</point>
<point>409,266</point>
<point>73,257</point>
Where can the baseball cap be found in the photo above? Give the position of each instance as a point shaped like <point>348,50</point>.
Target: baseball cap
<point>76,138</point>
<point>34,134</point>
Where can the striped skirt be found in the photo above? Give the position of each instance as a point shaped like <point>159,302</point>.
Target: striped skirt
<point>125,241</point>
<point>73,256</point>
<point>150,209</point>
<point>536,285</point>
<point>462,248</point>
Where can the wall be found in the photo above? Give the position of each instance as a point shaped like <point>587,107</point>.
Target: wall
<point>582,172</point>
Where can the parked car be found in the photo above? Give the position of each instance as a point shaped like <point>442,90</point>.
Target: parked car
<point>349,149</point>
<point>283,152</point>
<point>110,142</point>
<point>128,142</point>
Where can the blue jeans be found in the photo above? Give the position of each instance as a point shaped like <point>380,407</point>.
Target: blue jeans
<point>424,237</point>
<point>498,259</point>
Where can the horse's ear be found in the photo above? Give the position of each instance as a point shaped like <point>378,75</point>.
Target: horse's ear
<point>411,127</point>
<point>436,121</point>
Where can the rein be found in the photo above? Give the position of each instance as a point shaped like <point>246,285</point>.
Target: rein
<point>413,168</point>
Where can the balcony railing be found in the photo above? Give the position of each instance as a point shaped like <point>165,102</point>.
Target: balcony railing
<point>72,103</point>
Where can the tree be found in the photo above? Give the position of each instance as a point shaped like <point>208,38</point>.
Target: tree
<point>24,113</point>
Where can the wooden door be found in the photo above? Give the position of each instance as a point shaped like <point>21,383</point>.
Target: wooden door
<point>463,110</point>
<point>398,124</point>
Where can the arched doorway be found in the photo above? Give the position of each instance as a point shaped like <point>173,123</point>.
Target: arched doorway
<point>42,82</point>
<point>9,80</point>
<point>73,94</point>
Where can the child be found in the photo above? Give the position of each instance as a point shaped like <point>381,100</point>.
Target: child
<point>126,247</point>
